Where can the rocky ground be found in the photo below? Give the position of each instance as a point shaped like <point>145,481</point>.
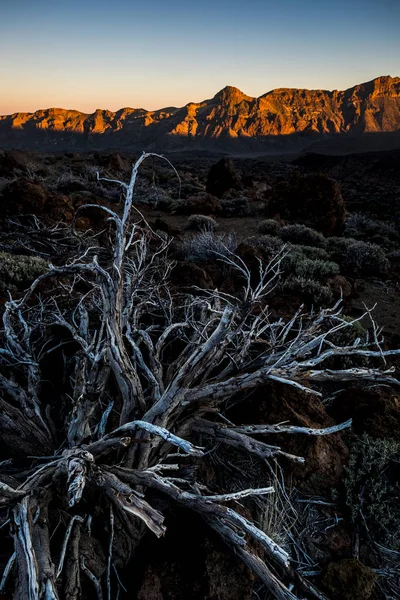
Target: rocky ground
<point>339,217</point>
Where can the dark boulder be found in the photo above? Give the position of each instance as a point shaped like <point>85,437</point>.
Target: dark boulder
<point>12,161</point>
<point>222,177</point>
<point>23,197</point>
<point>313,200</point>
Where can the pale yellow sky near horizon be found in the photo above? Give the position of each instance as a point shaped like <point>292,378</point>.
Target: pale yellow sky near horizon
<point>174,97</point>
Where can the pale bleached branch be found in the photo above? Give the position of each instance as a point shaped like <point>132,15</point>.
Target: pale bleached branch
<point>239,495</point>
<point>25,555</point>
<point>261,429</point>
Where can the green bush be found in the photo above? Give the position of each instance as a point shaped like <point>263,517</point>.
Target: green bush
<point>372,488</point>
<point>17,271</point>
<point>300,234</point>
<point>269,227</point>
<point>383,234</point>
<point>190,189</point>
<point>348,335</point>
<point>310,252</point>
<point>201,223</point>
<point>362,227</point>
<point>307,264</point>
<point>234,207</point>
<point>265,242</point>
<point>357,258</point>
<point>297,264</point>
<point>312,291</point>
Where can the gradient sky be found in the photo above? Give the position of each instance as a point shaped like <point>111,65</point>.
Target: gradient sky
<point>88,54</point>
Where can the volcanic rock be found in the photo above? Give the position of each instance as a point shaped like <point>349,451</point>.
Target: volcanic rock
<point>314,200</point>
<point>222,177</point>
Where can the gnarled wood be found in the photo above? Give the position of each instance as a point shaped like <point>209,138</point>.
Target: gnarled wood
<point>145,370</point>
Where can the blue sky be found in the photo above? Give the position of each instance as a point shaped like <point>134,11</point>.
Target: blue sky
<point>100,54</point>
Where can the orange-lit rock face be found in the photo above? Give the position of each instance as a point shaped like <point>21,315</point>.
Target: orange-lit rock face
<point>369,107</point>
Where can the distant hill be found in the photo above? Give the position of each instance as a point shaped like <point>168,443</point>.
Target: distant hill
<point>283,120</point>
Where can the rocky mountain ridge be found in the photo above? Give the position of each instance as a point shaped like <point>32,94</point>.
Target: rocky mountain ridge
<point>282,119</point>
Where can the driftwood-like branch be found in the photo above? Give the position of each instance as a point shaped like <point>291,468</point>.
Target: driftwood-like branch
<point>352,375</point>
<point>239,440</point>
<point>77,473</point>
<point>207,507</point>
<point>72,585</point>
<point>7,570</point>
<point>25,556</point>
<point>74,519</point>
<point>260,429</point>
<point>126,499</point>
<point>92,577</point>
<point>239,495</point>
<point>99,446</point>
<point>110,552</point>
<point>7,493</point>
<point>253,562</point>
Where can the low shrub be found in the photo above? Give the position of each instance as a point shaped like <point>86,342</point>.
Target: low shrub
<point>201,223</point>
<point>301,234</point>
<point>234,207</point>
<point>269,227</point>
<point>106,191</point>
<point>190,189</point>
<point>68,183</point>
<point>359,226</point>
<point>17,271</point>
<point>91,172</point>
<point>348,334</point>
<point>4,183</point>
<point>308,263</point>
<point>310,252</point>
<point>207,245</point>
<point>310,290</point>
<point>21,196</point>
<point>265,242</point>
<point>204,204</point>
<point>357,258</point>
<point>372,487</point>
<point>309,268</point>
<point>154,196</point>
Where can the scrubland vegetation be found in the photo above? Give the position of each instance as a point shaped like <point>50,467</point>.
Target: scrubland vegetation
<point>185,368</point>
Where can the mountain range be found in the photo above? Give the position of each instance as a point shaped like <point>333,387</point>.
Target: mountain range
<point>282,120</point>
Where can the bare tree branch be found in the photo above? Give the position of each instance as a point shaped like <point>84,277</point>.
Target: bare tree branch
<point>140,368</point>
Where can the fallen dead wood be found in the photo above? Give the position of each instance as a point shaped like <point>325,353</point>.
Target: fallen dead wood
<point>145,370</point>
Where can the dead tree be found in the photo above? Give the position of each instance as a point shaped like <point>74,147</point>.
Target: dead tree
<point>148,376</point>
